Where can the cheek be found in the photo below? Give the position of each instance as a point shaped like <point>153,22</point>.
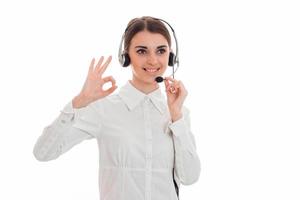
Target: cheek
<point>164,61</point>
<point>136,60</point>
<point>136,67</point>
<point>166,58</point>
<point>164,69</point>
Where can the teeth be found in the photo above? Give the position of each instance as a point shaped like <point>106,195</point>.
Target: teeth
<point>151,69</point>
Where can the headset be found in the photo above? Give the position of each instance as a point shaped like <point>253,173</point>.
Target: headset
<point>124,58</point>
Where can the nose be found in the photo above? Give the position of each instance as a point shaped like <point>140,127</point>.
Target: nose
<point>152,59</point>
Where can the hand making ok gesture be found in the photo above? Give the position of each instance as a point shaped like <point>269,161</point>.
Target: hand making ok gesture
<point>92,89</point>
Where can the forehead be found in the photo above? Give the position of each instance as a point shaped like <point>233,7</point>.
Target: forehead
<point>147,38</point>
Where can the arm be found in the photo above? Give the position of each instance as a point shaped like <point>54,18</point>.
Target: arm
<point>71,127</point>
<point>187,163</point>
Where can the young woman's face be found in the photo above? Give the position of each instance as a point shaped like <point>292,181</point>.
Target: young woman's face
<point>149,55</point>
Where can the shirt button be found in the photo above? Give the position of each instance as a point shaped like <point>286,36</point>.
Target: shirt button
<point>147,99</point>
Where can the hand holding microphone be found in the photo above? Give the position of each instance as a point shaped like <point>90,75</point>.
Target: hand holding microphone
<point>160,79</point>
<point>176,94</point>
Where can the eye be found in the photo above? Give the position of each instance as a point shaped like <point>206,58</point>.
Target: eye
<point>161,51</point>
<point>141,51</point>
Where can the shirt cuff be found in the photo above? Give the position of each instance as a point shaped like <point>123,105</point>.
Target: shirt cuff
<point>67,113</point>
<point>178,127</point>
<point>68,109</point>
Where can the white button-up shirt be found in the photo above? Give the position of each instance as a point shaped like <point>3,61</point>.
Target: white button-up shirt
<point>138,144</point>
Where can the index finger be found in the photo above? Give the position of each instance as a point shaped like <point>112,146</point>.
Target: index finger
<point>103,68</point>
<point>170,79</point>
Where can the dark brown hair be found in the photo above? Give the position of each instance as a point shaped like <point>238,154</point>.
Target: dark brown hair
<point>148,23</point>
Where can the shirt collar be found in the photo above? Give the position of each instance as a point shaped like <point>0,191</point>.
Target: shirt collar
<point>132,97</point>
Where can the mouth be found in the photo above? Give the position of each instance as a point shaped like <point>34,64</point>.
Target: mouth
<point>151,70</point>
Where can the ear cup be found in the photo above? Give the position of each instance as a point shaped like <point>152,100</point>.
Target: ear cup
<point>126,60</point>
<point>172,59</point>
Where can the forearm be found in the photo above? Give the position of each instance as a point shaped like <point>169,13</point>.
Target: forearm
<point>59,136</point>
<point>187,162</point>
<point>49,144</point>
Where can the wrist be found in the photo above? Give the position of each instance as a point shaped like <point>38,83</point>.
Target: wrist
<point>175,115</point>
<point>78,101</point>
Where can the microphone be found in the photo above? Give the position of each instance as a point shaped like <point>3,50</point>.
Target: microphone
<point>159,79</point>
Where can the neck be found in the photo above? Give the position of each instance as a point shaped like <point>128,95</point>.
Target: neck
<point>144,87</point>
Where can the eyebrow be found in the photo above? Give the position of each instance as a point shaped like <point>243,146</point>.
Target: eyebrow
<point>144,47</point>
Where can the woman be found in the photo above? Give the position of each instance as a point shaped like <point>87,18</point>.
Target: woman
<point>146,148</point>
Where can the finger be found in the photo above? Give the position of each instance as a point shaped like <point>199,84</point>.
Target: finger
<point>171,89</point>
<point>166,83</point>
<point>167,87</point>
<point>182,85</point>
<point>109,79</point>
<point>170,79</point>
<point>110,90</point>
<point>177,84</point>
<point>103,68</point>
<point>174,87</point>
<point>91,68</point>
<point>173,81</point>
<point>99,64</point>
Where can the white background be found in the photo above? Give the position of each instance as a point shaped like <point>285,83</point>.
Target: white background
<point>239,61</point>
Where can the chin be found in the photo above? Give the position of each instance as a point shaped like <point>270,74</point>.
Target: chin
<point>149,80</point>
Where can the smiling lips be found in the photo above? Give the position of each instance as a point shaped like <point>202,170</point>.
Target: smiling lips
<point>151,70</point>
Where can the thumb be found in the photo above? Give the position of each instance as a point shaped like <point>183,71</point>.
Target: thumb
<point>110,90</point>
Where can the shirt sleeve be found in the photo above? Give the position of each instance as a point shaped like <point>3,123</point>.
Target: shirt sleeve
<point>187,162</point>
<point>71,127</point>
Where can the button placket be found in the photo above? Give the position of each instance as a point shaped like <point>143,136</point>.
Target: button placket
<point>148,137</point>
